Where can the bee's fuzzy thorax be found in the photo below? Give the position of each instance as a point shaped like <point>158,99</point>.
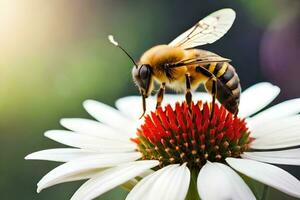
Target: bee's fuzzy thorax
<point>157,57</point>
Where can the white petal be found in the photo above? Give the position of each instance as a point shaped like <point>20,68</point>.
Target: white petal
<point>110,116</point>
<point>93,128</point>
<point>88,142</point>
<point>140,190</point>
<point>217,181</point>
<point>159,187</point>
<point>256,98</point>
<point>131,106</point>
<point>146,173</point>
<point>277,126</point>
<point>111,178</point>
<point>285,157</point>
<point>178,186</point>
<point>279,111</point>
<point>66,171</point>
<point>171,182</point>
<point>134,103</point>
<point>80,176</point>
<point>59,154</point>
<point>286,136</point>
<point>267,174</point>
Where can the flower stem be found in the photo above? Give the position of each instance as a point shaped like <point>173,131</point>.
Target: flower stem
<point>193,192</point>
<point>129,185</point>
<point>265,192</point>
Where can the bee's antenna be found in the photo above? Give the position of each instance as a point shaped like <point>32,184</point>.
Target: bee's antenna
<point>114,42</point>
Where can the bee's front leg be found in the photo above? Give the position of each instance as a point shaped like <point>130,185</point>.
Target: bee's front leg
<point>160,95</point>
<point>188,94</point>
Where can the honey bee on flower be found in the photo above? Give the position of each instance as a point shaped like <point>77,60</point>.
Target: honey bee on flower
<point>182,67</point>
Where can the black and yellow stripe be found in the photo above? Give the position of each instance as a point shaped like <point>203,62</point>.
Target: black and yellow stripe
<point>218,69</point>
<point>228,85</point>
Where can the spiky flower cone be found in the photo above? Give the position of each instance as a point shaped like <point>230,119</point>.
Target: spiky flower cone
<point>190,135</point>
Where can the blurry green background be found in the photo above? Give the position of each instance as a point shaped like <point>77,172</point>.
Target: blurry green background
<point>55,54</point>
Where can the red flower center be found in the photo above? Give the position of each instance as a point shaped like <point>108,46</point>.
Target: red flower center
<point>189,135</point>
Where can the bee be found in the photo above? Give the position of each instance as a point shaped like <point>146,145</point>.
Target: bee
<point>180,66</point>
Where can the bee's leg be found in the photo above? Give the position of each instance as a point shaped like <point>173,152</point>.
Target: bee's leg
<point>213,93</point>
<point>188,94</point>
<point>160,95</point>
<point>236,113</point>
<point>212,78</point>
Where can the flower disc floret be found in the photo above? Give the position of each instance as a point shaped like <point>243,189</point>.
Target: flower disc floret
<point>190,135</point>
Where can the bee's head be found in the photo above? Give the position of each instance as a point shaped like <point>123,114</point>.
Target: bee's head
<point>142,76</point>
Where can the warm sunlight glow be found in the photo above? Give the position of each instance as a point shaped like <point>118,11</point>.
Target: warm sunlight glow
<point>33,26</point>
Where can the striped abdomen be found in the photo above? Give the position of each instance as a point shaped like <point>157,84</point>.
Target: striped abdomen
<point>228,85</point>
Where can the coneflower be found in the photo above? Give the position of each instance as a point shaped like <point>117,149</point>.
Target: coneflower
<point>177,152</point>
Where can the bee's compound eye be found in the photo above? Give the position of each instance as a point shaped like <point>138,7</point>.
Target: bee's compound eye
<point>144,72</point>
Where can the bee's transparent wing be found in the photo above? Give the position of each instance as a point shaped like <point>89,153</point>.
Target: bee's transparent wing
<point>201,61</point>
<point>207,30</point>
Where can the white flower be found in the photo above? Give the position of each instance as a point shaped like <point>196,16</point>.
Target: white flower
<point>105,153</point>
